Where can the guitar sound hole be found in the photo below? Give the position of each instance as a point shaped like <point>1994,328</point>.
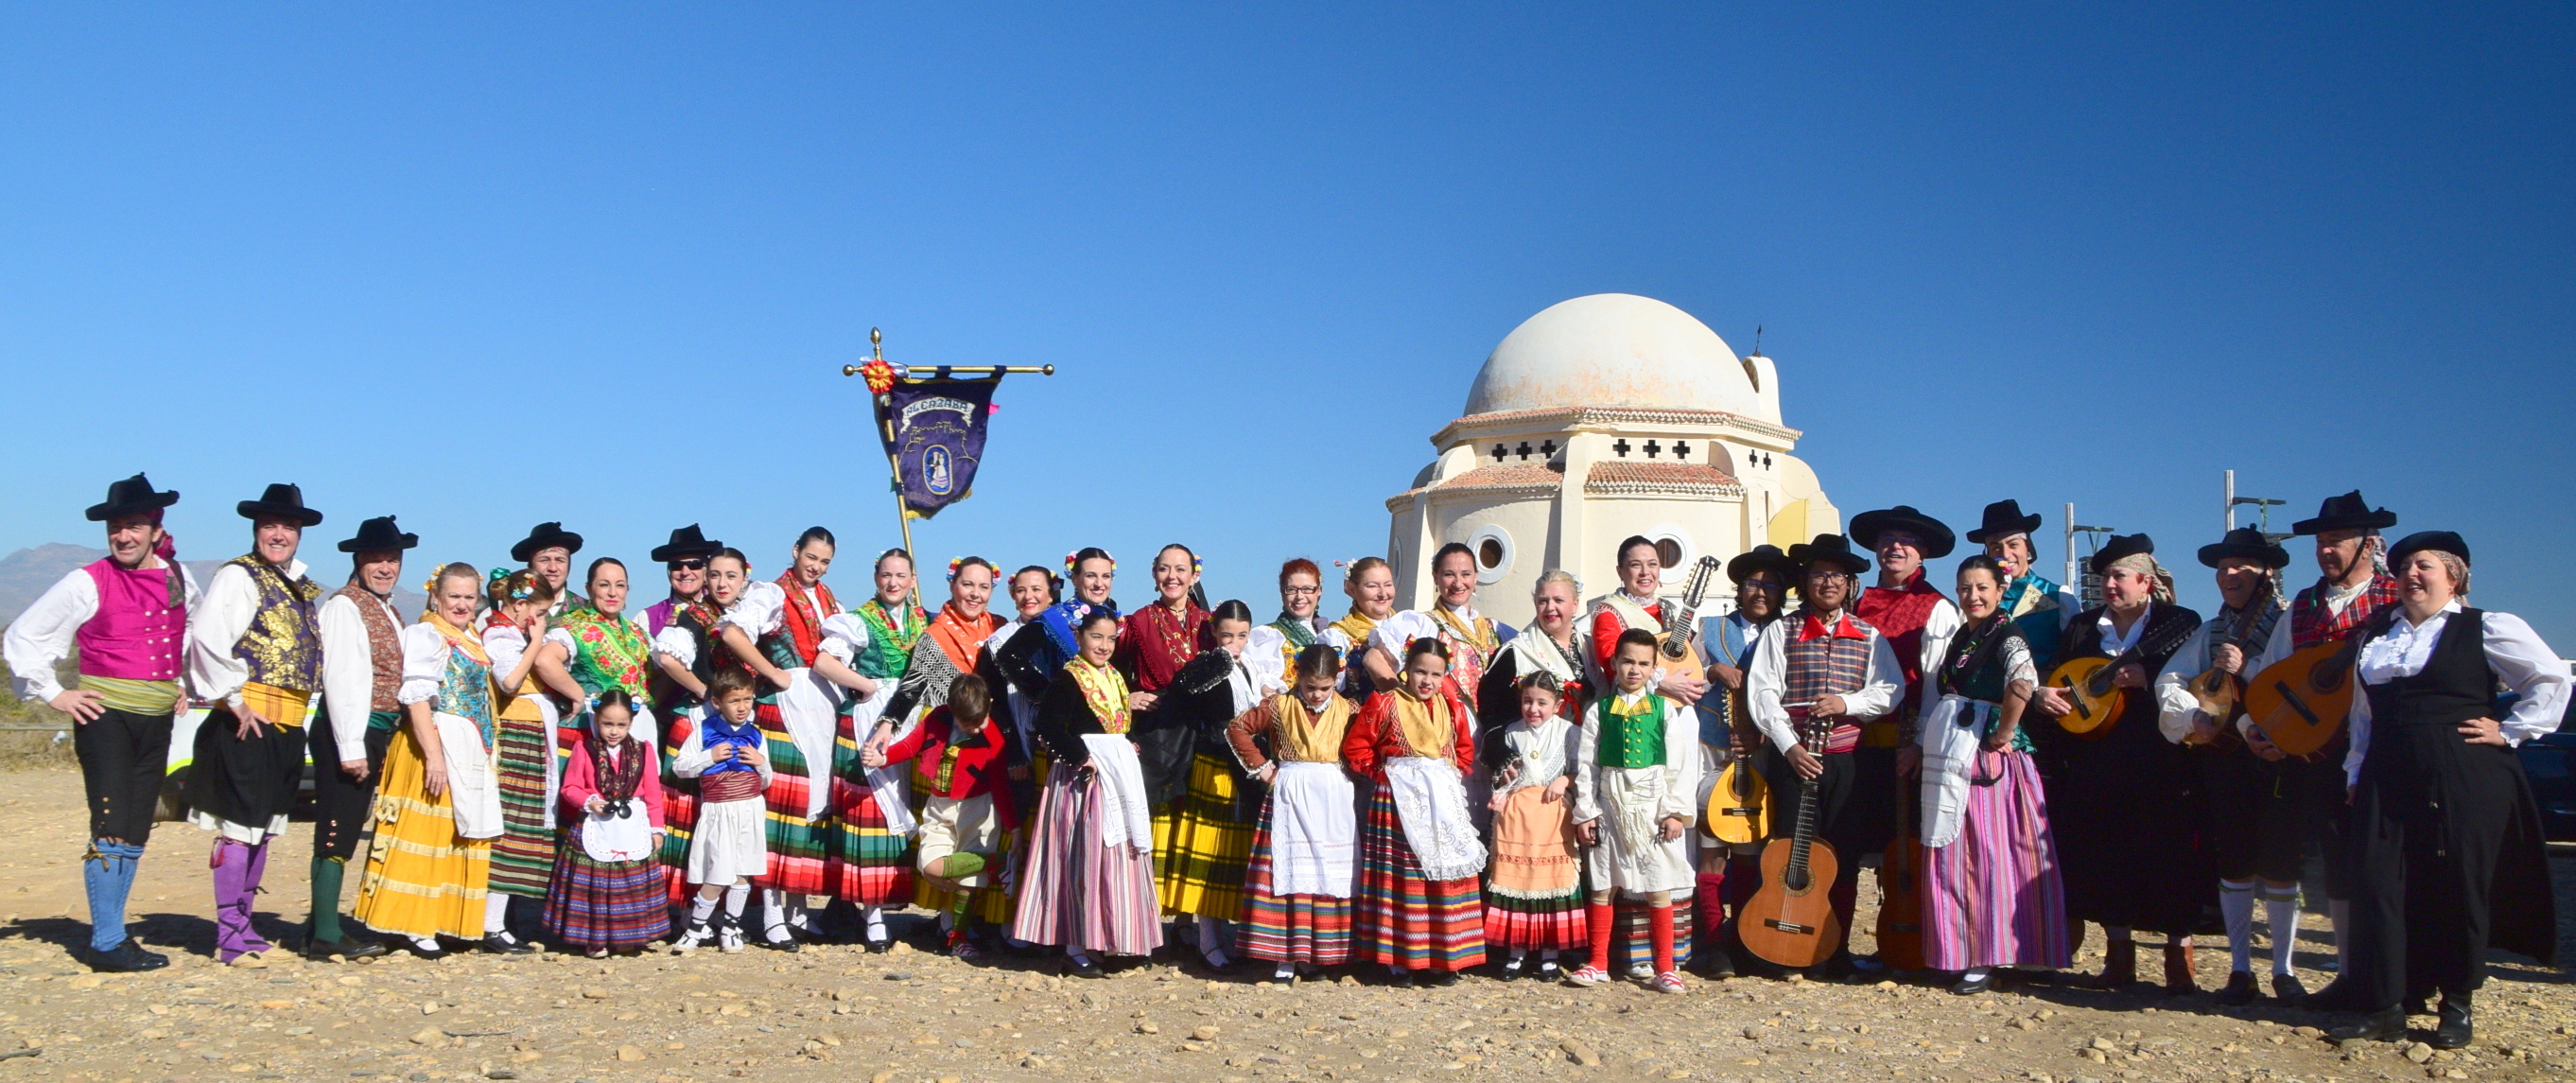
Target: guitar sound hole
<point>1795,881</point>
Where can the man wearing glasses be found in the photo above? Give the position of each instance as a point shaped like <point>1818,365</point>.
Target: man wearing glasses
<point>686,558</point>
<point>1726,734</point>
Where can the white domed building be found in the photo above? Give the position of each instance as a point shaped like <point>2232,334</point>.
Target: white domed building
<point>1599,418</point>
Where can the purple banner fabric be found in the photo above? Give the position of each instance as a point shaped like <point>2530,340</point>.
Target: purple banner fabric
<point>938,438</point>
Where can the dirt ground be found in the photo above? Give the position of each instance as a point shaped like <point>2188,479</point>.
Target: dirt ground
<point>911,1017</point>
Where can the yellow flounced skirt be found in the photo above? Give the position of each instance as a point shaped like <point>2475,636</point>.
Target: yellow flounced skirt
<point>421,879</point>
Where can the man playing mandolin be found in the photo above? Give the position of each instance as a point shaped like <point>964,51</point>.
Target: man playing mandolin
<point>2257,830</point>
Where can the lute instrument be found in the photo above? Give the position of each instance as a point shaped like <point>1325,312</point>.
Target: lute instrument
<point>1790,920</point>
<point>2301,701</point>
<point>2094,704</point>
<point>1673,651</point>
<point>1900,875</point>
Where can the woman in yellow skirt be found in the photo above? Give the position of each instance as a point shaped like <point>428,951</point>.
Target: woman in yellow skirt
<point>439,806</point>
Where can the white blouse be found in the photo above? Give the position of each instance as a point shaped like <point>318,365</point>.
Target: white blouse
<point>46,632</point>
<point>1398,632</point>
<point>215,627</point>
<point>2516,656</point>
<point>1881,685</point>
<point>424,663</point>
<point>349,669</point>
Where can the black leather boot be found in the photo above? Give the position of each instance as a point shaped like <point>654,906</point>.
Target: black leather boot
<point>2385,1025</point>
<point>2454,1031</point>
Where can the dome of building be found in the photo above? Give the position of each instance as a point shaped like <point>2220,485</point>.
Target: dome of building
<point>1618,349</point>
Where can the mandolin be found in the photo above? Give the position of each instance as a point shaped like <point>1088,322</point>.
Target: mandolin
<point>2094,704</point>
<point>1790,920</point>
<point>2300,702</point>
<point>1681,625</point>
<point>1900,903</point>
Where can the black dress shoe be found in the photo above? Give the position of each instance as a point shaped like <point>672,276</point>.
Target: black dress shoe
<point>2240,990</point>
<point>505,944</point>
<point>1717,966</point>
<point>435,951</point>
<point>2454,1031</point>
<point>127,957</point>
<point>1509,970</point>
<point>1440,979</point>
<point>2384,1025</point>
<point>1083,968</point>
<point>2287,988</point>
<point>1969,987</point>
<point>345,948</point>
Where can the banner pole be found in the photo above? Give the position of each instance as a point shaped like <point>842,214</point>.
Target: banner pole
<point>894,460</point>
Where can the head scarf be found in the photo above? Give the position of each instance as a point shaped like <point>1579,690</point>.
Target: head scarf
<point>2145,564</point>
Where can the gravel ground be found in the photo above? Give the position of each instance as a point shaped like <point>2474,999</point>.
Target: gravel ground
<point>913,1017</point>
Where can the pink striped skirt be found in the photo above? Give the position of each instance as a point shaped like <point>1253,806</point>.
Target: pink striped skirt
<point>1993,897</point>
<point>1077,893</point>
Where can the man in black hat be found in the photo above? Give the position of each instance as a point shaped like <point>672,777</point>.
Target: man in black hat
<point>2037,605</point>
<point>127,615</point>
<point>255,648</point>
<point>685,558</point>
<point>1815,679</point>
<point>362,663</point>
<point>547,551</point>
<point>2258,833</point>
<point>1726,734</point>
<point>1908,610</point>
<point>2353,583</point>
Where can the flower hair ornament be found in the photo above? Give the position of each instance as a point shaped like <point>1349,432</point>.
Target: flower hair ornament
<point>520,594</point>
<point>1074,558</point>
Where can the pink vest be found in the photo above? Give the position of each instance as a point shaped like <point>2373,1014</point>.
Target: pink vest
<point>137,632</point>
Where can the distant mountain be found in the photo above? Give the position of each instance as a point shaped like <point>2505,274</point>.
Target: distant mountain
<point>28,573</point>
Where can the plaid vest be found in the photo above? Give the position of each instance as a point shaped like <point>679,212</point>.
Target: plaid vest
<point>1825,664</point>
<point>2312,623</point>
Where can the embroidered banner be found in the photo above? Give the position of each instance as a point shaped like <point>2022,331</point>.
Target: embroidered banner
<point>938,427</point>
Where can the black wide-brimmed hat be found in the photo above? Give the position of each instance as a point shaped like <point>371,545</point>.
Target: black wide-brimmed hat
<point>542,537</point>
<point>379,535</point>
<point>2247,543</point>
<point>130,496</point>
<point>2346,512</point>
<point>686,543</point>
<point>280,501</point>
<point>1761,558</point>
<point>2439,541</point>
<point>2119,547</point>
<point>1934,534</point>
<point>1828,549</point>
<point>2003,520</point>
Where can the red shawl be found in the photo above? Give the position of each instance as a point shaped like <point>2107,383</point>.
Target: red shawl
<point>1154,644</point>
<point>804,626</point>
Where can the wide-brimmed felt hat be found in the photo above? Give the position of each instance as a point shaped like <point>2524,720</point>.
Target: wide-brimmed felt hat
<point>2003,520</point>
<point>686,543</point>
<point>2247,543</point>
<point>1828,549</point>
<point>379,535</point>
<point>1933,533</point>
<point>280,501</point>
<point>1761,558</point>
<point>134,494</point>
<point>2119,547</point>
<point>542,537</point>
<point>2439,541</point>
<point>2346,512</point>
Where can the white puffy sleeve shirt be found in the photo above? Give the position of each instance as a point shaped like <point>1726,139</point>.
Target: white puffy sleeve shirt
<point>215,627</point>
<point>2516,655</point>
<point>424,664</point>
<point>2177,711</point>
<point>44,635</point>
<point>1398,632</point>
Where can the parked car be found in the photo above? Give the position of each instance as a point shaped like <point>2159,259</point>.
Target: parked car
<point>2550,761</point>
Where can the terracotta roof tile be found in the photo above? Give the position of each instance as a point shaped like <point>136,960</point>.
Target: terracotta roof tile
<point>1507,474</point>
<point>1654,475</point>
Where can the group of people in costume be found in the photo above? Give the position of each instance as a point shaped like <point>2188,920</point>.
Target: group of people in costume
<point>1416,792</point>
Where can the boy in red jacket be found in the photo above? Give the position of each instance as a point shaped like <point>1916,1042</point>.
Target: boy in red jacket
<point>959,757</point>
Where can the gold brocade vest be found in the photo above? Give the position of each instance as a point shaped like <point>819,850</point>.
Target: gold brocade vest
<point>283,645</point>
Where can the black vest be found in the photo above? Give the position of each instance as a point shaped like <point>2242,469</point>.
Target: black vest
<point>2454,687</point>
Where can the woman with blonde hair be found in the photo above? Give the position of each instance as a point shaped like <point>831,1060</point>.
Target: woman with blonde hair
<point>439,807</point>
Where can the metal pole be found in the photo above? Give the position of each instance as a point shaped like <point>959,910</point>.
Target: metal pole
<point>894,462</point>
<point>2071,581</point>
<point>2230,500</point>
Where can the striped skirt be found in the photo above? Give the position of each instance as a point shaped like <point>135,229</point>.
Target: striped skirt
<point>1203,866</point>
<point>1076,892</point>
<point>1636,932</point>
<point>1994,896</point>
<point>523,858</point>
<point>679,808</point>
<point>421,880</point>
<point>1405,920</point>
<point>799,845</point>
<point>1534,891</point>
<point>869,865</point>
<point>606,904</point>
<point>1310,929</point>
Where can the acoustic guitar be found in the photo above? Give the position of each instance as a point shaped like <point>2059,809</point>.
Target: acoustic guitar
<point>1790,920</point>
<point>2094,704</point>
<point>2300,702</point>
<point>1900,886</point>
<point>1739,806</point>
<point>1674,651</point>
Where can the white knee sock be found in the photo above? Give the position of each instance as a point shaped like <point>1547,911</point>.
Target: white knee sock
<point>2236,906</point>
<point>737,897</point>
<point>496,913</point>
<point>2339,911</point>
<point>703,909</point>
<point>1211,936</point>
<point>875,916</point>
<point>2281,912</point>
<point>773,913</point>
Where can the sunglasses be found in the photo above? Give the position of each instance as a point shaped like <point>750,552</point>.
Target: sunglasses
<point>692,565</point>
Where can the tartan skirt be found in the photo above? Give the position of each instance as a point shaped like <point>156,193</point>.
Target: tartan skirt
<point>867,865</point>
<point>679,807</point>
<point>799,845</point>
<point>1405,920</point>
<point>1203,861</point>
<point>1310,929</point>
<point>606,904</point>
<point>523,858</point>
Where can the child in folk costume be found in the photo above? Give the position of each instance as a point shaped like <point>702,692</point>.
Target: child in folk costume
<point>1636,778</point>
<point>959,756</point>
<point>1088,883</point>
<point>608,888</point>
<point>1297,878</point>
<point>689,650</point>
<point>953,647</point>
<point>871,863</point>
<point>780,628</point>
<point>1534,888</point>
<point>1420,907</point>
<point>1211,837</point>
<point>731,847</point>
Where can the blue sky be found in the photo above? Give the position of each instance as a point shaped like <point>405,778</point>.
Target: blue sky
<point>485,266</point>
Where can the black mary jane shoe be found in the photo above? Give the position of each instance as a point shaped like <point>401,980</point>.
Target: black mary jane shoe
<point>2384,1025</point>
<point>346,948</point>
<point>127,957</point>
<point>2454,1031</point>
<point>434,952</point>
<point>1083,968</point>
<point>1550,972</point>
<point>1440,979</point>
<point>2240,990</point>
<point>1510,970</point>
<point>505,944</point>
<point>1968,987</point>
<point>791,945</point>
<point>2287,990</point>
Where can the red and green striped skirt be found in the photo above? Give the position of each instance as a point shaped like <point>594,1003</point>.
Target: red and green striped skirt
<point>869,865</point>
<point>1406,920</point>
<point>1310,929</point>
<point>523,858</point>
<point>799,845</point>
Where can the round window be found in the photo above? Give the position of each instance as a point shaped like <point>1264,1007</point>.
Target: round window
<point>1674,549</point>
<point>1493,548</point>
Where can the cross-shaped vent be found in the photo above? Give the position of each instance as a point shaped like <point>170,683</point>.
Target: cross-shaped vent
<point>1652,448</point>
<point>1681,450</point>
<point>1499,452</point>
<point>1621,447</point>
<point>1524,451</point>
<point>1547,448</point>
